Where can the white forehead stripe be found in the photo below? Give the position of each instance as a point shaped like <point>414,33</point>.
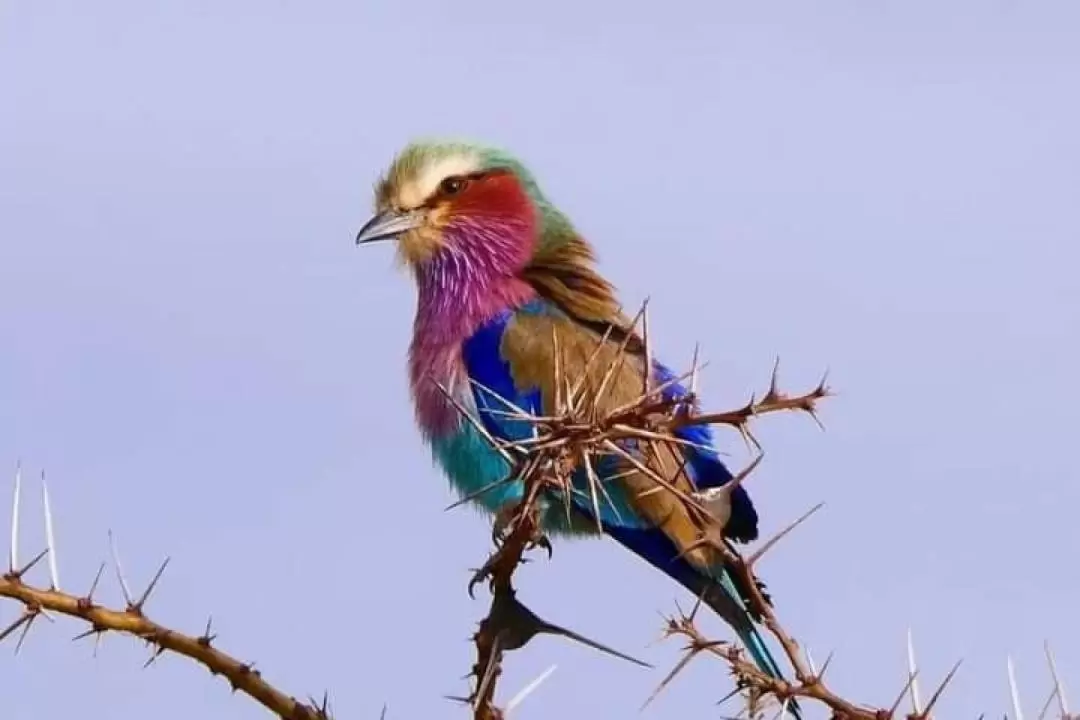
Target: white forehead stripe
<point>418,189</point>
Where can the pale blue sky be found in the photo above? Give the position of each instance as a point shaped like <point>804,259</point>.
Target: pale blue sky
<point>202,361</point>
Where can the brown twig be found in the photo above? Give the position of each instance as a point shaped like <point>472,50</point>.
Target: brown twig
<point>241,676</point>
<point>567,437</point>
<point>132,620</point>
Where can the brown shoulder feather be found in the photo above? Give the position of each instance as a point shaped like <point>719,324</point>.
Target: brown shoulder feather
<point>564,274</point>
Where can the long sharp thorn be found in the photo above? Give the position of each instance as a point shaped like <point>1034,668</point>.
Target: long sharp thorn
<point>737,481</point>
<point>514,415</point>
<point>593,495</point>
<point>941,688</point>
<point>809,660</point>
<point>595,488</point>
<point>568,501</point>
<point>579,384</point>
<point>658,390</point>
<point>828,659</point>
<point>477,493</point>
<point>152,585</point>
<point>551,629</point>
<point>617,361</point>
<point>698,602</point>
<point>13,553</point>
<point>683,662</point>
<point>903,691</point>
<point>528,690</point>
<point>477,425</point>
<point>489,672</point>
<point>780,535</point>
<point>23,619</point>
<point>93,585</point>
<point>94,630</point>
<point>1013,691</point>
<point>506,403</point>
<point>913,685</point>
<point>773,393</point>
<point>50,537</point>
<point>697,544</point>
<point>659,437</point>
<point>1059,687</point>
<point>603,490</point>
<point>119,569</point>
<point>557,372</point>
<point>30,565</point>
<point>823,389</point>
<point>616,364</point>
<point>1046,705</point>
<point>646,379</point>
<point>573,402</point>
<point>25,629</point>
<point>694,371</point>
<point>154,656</point>
<point>730,486</point>
<point>653,475</point>
<point>735,691</point>
<point>783,709</point>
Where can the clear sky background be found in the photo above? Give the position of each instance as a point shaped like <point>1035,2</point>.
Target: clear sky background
<point>201,360</point>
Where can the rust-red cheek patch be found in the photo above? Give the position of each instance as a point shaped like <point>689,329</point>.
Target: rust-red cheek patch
<point>495,194</point>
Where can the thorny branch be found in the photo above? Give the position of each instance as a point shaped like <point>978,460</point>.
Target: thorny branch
<point>131,620</point>
<point>573,436</point>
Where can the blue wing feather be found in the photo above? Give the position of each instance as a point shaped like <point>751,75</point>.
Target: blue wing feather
<point>492,379</point>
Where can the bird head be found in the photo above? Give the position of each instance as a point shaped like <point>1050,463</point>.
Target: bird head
<point>468,217</point>
<point>455,201</point>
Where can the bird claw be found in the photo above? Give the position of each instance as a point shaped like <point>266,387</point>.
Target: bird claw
<point>541,541</point>
<point>484,573</point>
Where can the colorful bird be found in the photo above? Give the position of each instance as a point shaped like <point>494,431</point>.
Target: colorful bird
<point>498,270</point>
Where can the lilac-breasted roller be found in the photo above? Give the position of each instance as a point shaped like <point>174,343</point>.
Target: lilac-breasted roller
<point>498,270</point>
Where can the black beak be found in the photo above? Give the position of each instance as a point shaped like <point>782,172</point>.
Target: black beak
<point>388,225</point>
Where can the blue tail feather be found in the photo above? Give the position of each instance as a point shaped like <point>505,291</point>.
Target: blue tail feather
<point>720,593</point>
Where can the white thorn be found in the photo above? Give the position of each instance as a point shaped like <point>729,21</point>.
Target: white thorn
<point>916,705</point>
<point>810,662</point>
<point>1019,714</point>
<point>694,370</point>
<point>1059,687</point>
<point>783,709</point>
<point>647,340</point>
<point>13,557</point>
<point>528,689</point>
<point>50,538</point>
<point>119,569</point>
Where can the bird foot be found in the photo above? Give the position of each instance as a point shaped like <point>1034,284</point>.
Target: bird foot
<point>484,573</point>
<point>504,524</point>
<point>540,540</point>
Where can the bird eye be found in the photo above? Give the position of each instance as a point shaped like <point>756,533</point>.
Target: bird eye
<point>452,185</point>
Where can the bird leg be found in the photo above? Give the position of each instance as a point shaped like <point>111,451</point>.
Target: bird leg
<point>507,519</point>
<point>501,525</point>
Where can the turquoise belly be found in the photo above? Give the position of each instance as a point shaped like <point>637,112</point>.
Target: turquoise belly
<point>471,463</point>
